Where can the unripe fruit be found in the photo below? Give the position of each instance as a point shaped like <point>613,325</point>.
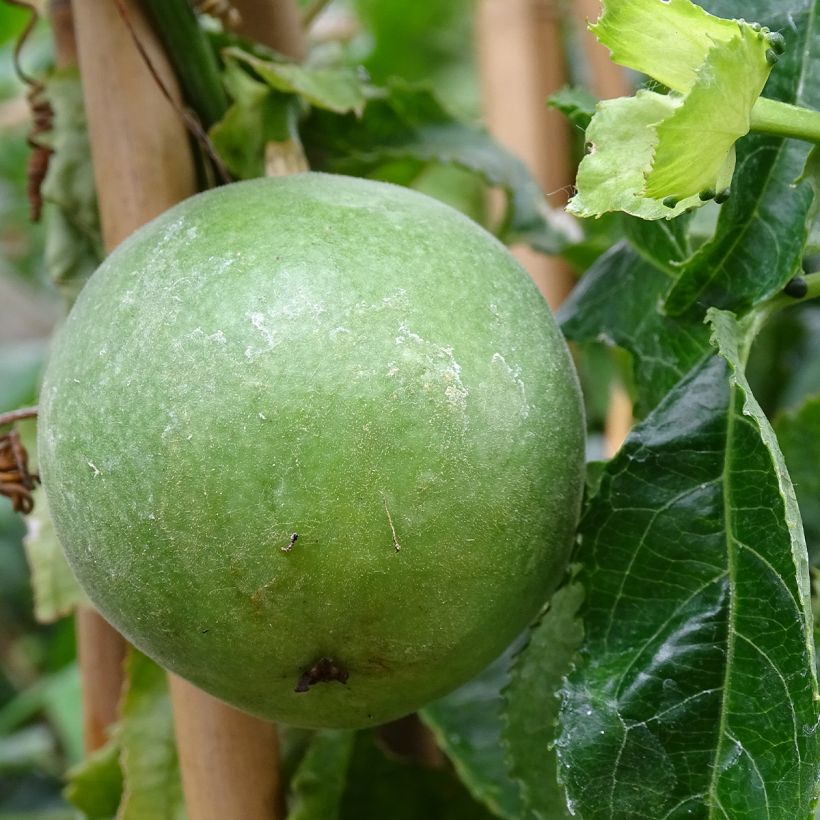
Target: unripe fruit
<point>316,434</point>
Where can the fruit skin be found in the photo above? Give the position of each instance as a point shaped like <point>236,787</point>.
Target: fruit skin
<point>343,359</point>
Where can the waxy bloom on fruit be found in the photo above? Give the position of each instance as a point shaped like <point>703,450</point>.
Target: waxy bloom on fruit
<point>316,444</point>
<point>655,155</point>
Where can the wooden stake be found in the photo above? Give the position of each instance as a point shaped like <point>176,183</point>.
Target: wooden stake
<point>410,740</point>
<point>139,145</point>
<point>607,79</point>
<point>521,59</point>
<point>62,27</point>
<point>142,165</point>
<point>275,23</point>
<point>229,760</point>
<point>100,653</point>
<point>100,648</point>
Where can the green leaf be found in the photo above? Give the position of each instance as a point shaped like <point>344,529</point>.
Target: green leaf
<point>799,435</point>
<point>95,785</point>
<point>654,155</point>
<point>379,787</point>
<point>57,696</point>
<point>73,241</point>
<point>618,301</point>
<point>531,715</point>
<point>333,89</point>
<point>405,122</point>
<point>783,369</point>
<point>319,782</point>
<point>762,229</point>
<point>56,591</point>
<point>577,104</point>
<point>13,20</point>
<point>152,786</point>
<point>20,366</point>
<point>467,725</point>
<point>668,42</point>
<point>695,150</point>
<point>430,42</point>
<point>695,693</point>
<point>622,142</point>
<point>258,116</point>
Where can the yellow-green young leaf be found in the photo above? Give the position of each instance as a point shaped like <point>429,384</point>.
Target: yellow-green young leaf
<point>622,141</point>
<point>695,150</point>
<point>56,591</point>
<point>666,39</point>
<point>153,790</point>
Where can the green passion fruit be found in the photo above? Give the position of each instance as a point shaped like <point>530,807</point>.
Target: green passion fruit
<point>314,444</point>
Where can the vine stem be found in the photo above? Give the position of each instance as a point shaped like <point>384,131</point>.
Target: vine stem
<point>785,120</point>
<point>783,300</point>
<point>17,415</point>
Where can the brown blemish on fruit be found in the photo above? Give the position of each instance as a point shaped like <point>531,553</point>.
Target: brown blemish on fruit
<point>324,670</point>
<point>289,546</point>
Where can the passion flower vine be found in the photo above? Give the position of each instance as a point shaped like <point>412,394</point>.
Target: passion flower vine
<point>655,155</point>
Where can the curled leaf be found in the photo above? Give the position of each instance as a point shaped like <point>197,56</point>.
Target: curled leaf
<point>655,155</point>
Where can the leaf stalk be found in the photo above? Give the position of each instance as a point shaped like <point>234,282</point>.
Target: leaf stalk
<point>785,120</point>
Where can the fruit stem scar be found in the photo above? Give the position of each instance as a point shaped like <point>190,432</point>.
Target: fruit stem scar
<point>396,543</point>
<point>324,670</point>
<point>289,546</point>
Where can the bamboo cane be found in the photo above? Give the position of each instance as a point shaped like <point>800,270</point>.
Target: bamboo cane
<point>100,648</point>
<point>143,165</point>
<point>276,23</point>
<point>521,63</point>
<point>229,760</point>
<point>607,79</point>
<point>212,736</point>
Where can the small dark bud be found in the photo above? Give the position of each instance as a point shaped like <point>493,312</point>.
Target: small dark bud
<point>706,195</point>
<point>777,42</point>
<point>722,196</point>
<point>796,288</point>
<point>670,202</point>
<point>771,56</point>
